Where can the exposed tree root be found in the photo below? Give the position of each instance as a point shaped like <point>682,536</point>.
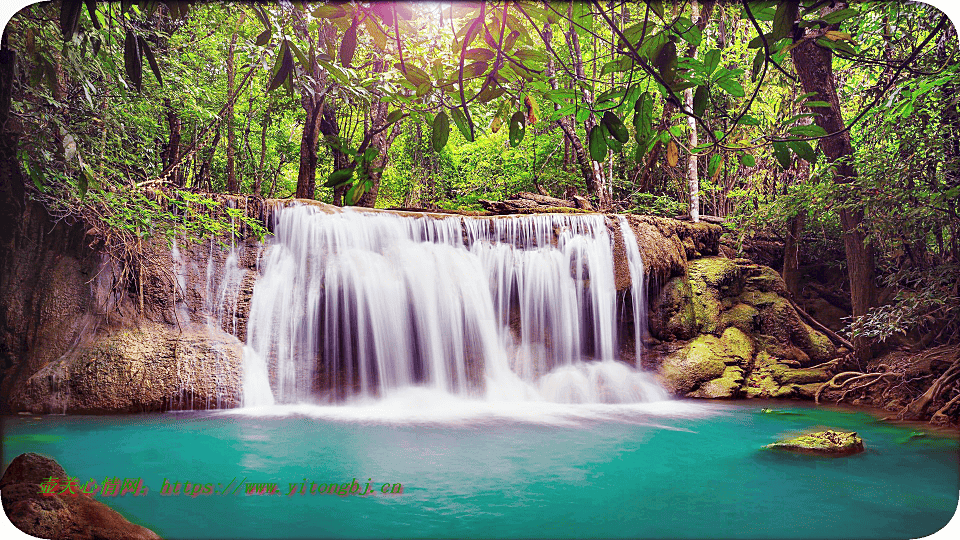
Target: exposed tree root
<point>919,406</point>
<point>841,381</point>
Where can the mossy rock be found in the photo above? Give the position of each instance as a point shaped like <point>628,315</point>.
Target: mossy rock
<point>760,299</point>
<point>764,279</point>
<point>728,385</point>
<point>672,314</point>
<point>800,376</point>
<point>762,381</point>
<point>829,442</point>
<point>816,344</point>
<point>741,316</point>
<point>693,365</point>
<point>716,272</point>
<point>736,346</point>
<point>709,359</point>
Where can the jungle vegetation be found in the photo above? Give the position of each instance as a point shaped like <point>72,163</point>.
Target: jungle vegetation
<point>832,127</point>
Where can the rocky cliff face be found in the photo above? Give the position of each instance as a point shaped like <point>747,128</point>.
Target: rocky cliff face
<point>73,341</point>
<point>728,330</point>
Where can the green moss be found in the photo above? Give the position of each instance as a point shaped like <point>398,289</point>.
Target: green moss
<point>737,345</point>
<point>693,365</point>
<point>740,316</point>
<point>760,299</point>
<point>766,279</point>
<point>800,376</point>
<point>716,272</point>
<point>828,442</point>
<point>817,345</point>
<point>728,385</point>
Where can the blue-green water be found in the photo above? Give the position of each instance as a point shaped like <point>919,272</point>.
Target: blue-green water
<point>676,470</point>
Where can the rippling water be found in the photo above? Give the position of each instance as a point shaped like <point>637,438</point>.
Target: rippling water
<point>486,469</point>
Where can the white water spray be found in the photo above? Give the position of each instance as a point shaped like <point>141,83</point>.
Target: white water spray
<point>362,305</point>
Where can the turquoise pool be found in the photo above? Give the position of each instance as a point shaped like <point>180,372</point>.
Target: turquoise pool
<point>531,470</point>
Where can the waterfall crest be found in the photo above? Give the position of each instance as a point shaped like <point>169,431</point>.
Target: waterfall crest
<point>360,304</point>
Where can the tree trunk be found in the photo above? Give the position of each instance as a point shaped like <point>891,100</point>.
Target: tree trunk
<point>791,254</point>
<point>261,171</point>
<point>593,174</point>
<point>693,176</point>
<point>172,154</point>
<point>307,173</point>
<point>814,67</point>
<point>12,193</point>
<point>232,185</point>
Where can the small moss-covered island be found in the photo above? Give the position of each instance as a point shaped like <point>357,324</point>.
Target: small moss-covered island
<point>824,443</point>
<point>243,223</point>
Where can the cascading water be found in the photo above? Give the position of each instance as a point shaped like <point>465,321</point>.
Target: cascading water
<point>364,304</point>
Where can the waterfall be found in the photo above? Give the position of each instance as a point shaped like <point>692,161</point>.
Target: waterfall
<point>638,290</point>
<point>360,304</point>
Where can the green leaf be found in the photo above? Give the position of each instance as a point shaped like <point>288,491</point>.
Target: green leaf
<point>479,55</point>
<point>803,149</point>
<point>263,38</point>
<point>812,104</point>
<point>643,117</point>
<point>339,178</point>
<point>475,69</point>
<point>145,49</point>
<point>711,60</point>
<point>714,164</point>
<point>757,65</point>
<point>666,62</point>
<point>329,11</point>
<point>688,31</point>
<point>782,22</point>
<point>657,7</point>
<point>782,153</point>
<point>441,131</point>
<point>700,100</point>
<point>69,18</point>
<point>839,16</point>
<point>747,160</point>
<point>131,60</point>
<point>615,127</point>
<point>349,44</point>
<point>518,127</point>
<point>748,120</point>
<point>461,121</point>
<point>731,86</point>
<point>92,10</point>
<point>811,130</point>
<point>598,143</point>
<point>283,67</point>
<point>394,116</point>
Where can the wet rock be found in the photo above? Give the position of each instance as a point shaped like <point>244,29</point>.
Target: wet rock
<point>150,368</point>
<point>829,442</point>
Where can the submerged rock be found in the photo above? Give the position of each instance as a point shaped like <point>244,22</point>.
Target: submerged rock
<point>58,516</point>
<point>829,442</point>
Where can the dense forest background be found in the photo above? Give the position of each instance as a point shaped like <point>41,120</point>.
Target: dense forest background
<point>831,128</point>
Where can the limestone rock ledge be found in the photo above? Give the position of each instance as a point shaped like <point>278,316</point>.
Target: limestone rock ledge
<point>829,442</point>
<point>727,330</point>
<point>151,367</point>
<point>55,516</point>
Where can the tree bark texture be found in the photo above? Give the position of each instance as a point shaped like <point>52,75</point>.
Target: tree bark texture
<point>814,67</point>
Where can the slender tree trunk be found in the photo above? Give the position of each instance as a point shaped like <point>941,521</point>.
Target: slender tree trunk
<point>815,69</point>
<point>693,176</point>
<point>232,185</point>
<point>172,154</point>
<point>261,171</point>
<point>596,183</point>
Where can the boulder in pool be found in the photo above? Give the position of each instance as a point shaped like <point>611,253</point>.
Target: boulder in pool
<point>827,443</point>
